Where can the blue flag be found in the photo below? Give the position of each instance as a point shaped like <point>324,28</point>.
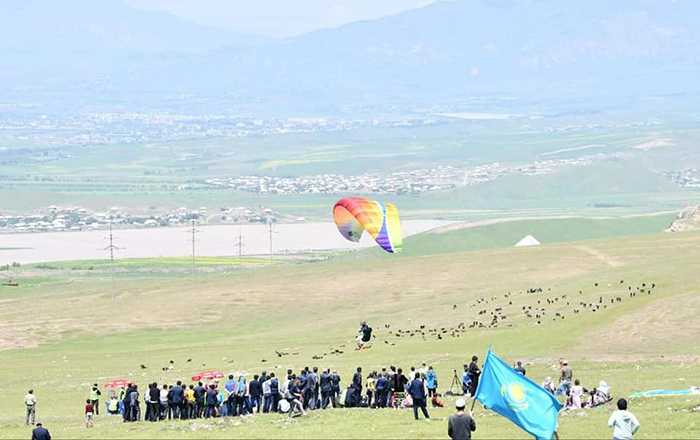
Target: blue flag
<point>512,395</point>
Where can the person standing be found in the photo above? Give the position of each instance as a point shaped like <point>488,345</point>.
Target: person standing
<point>371,388</point>
<point>256,393</point>
<point>274,391</point>
<point>575,394</point>
<point>431,381</point>
<point>356,387</point>
<point>460,424</point>
<point>134,404</point>
<point>211,400</point>
<point>267,397</point>
<point>399,387</point>
<point>89,414</point>
<point>241,397</point>
<point>335,383</point>
<point>623,422</point>
<point>95,394</point>
<point>565,378</point>
<point>519,368</point>
<point>163,400</point>
<point>199,397</point>
<point>474,373</point>
<point>177,397</point>
<point>190,402</point>
<point>326,388</point>
<point>416,389</point>
<point>382,391</point>
<point>40,433</point>
<point>294,396</point>
<point>30,403</point>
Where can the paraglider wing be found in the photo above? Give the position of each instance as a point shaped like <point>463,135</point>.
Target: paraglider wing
<point>354,215</point>
<point>390,237</point>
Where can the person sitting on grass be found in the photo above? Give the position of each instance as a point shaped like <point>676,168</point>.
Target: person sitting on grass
<point>623,422</point>
<point>549,385</point>
<point>89,414</point>
<point>113,405</point>
<point>436,401</point>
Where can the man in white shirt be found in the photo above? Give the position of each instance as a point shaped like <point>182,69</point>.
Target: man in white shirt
<point>267,397</point>
<point>30,402</point>
<point>623,422</point>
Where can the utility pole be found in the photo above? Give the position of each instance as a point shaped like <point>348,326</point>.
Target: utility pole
<point>239,242</point>
<point>269,228</point>
<point>194,235</point>
<point>111,247</point>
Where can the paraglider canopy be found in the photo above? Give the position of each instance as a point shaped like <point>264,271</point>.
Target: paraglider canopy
<point>117,383</point>
<point>208,375</point>
<point>354,215</point>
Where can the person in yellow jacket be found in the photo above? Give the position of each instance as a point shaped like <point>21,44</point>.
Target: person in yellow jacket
<point>190,401</point>
<point>95,394</point>
<point>371,387</point>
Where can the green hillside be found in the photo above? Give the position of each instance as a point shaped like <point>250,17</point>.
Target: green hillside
<point>63,331</point>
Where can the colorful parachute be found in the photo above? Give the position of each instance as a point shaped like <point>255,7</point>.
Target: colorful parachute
<point>354,215</point>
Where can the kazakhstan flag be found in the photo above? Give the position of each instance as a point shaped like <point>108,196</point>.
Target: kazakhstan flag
<point>502,390</point>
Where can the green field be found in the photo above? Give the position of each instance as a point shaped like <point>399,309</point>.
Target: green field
<point>63,331</point>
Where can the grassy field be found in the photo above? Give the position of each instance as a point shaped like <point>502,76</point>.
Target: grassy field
<point>63,331</point>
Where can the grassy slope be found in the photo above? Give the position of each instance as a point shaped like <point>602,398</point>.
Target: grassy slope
<point>547,231</point>
<point>234,320</point>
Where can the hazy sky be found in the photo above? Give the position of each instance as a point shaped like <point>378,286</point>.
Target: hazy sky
<point>279,18</point>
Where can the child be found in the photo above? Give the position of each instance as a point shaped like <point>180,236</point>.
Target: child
<point>623,422</point>
<point>575,394</point>
<point>89,411</point>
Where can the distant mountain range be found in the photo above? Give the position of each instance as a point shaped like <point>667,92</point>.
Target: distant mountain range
<point>80,52</point>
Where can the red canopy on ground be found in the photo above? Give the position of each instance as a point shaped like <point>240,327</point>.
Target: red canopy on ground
<point>117,383</point>
<point>208,375</point>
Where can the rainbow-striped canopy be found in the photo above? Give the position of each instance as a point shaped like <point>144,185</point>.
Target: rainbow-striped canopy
<point>354,215</point>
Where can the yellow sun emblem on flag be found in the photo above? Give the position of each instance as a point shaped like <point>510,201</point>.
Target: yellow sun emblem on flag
<point>515,396</point>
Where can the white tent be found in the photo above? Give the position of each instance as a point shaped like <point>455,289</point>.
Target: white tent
<point>528,241</point>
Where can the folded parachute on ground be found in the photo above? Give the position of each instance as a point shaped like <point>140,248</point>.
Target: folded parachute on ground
<point>208,375</point>
<point>354,215</point>
<point>118,383</point>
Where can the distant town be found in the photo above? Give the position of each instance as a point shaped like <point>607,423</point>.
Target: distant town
<point>60,219</point>
<point>138,128</point>
<point>418,181</point>
<point>687,178</point>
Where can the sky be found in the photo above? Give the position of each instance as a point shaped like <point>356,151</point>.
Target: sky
<point>278,18</point>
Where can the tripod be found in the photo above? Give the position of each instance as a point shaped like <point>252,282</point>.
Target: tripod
<point>456,380</point>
